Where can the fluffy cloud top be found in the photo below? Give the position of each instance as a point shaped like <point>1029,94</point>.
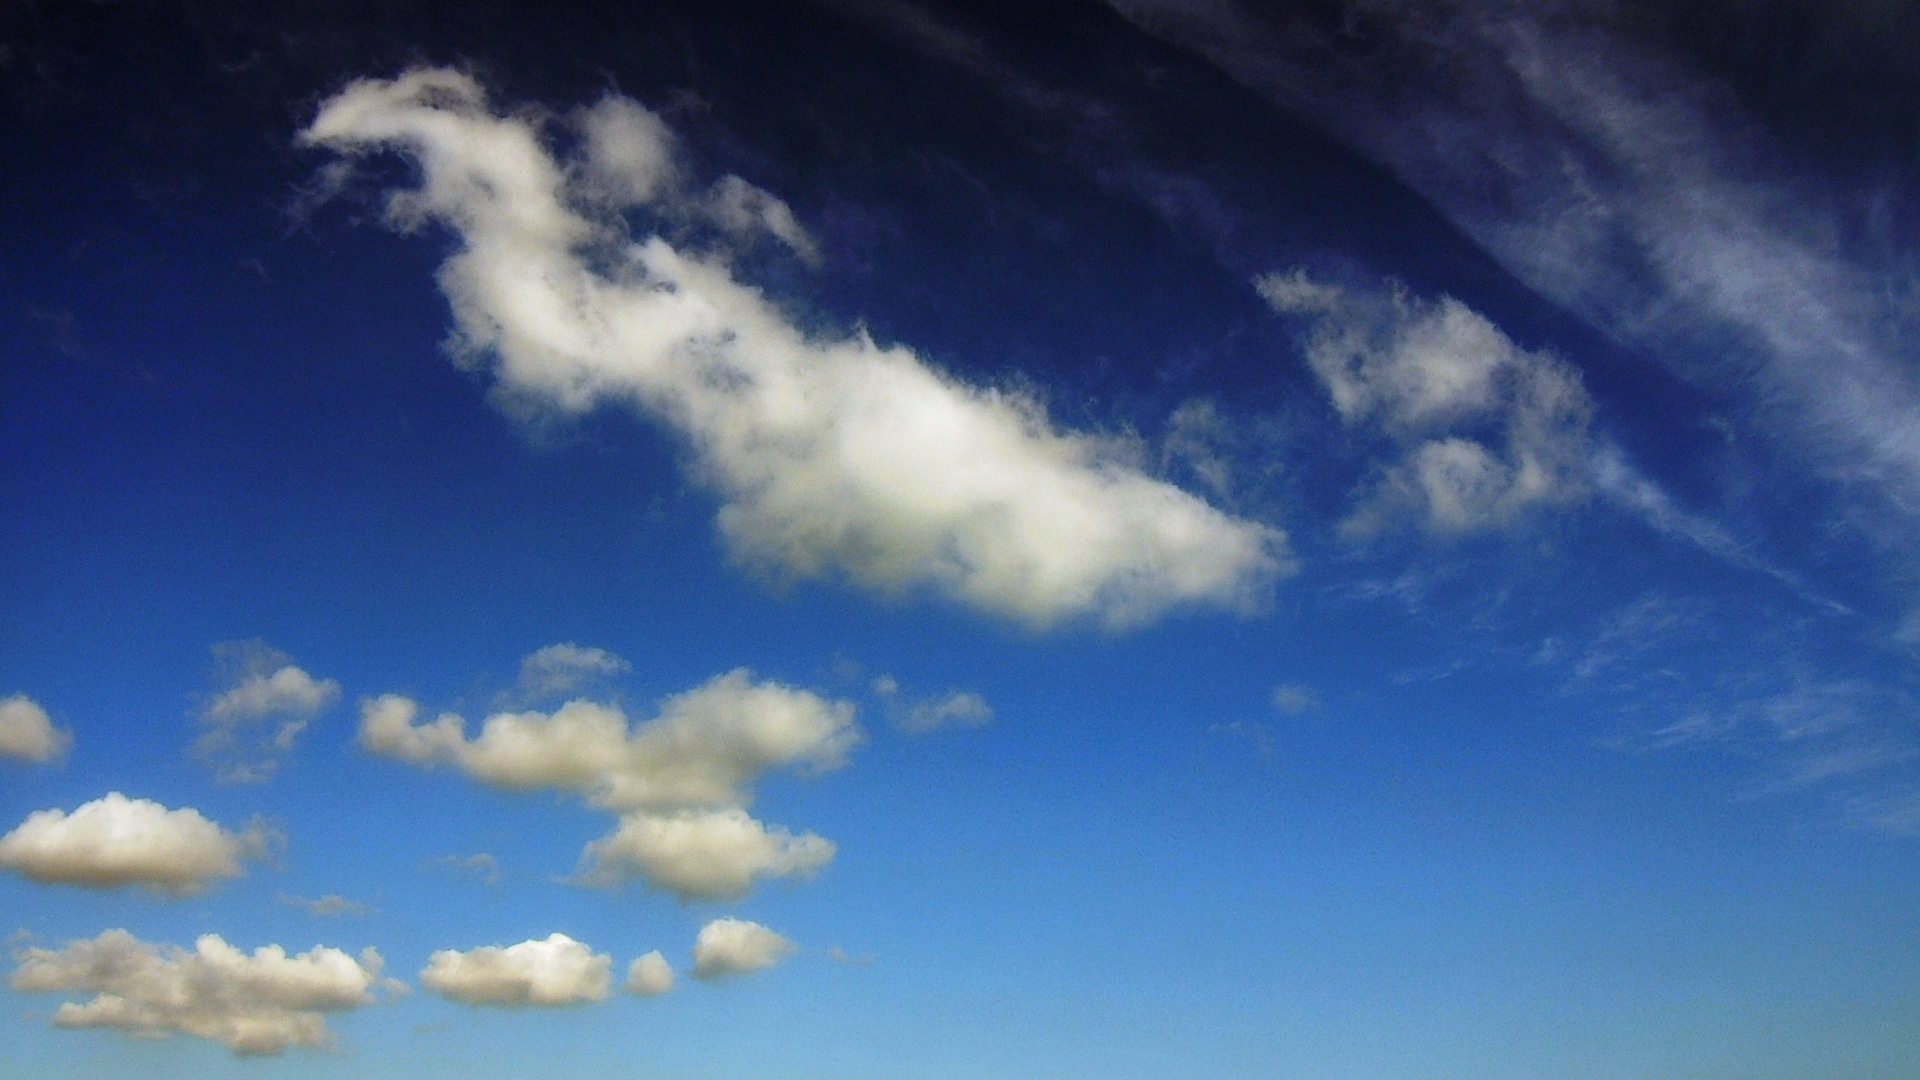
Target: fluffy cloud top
<point>736,947</point>
<point>1485,429</point>
<point>115,841</point>
<point>649,975</point>
<point>253,1004</point>
<point>830,455</point>
<point>679,781</point>
<point>556,970</point>
<point>27,733</point>
<point>265,705</point>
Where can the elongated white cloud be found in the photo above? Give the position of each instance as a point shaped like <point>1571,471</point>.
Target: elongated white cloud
<point>649,975</point>
<point>253,1004</point>
<point>555,970</point>
<point>115,841</point>
<point>1429,375</point>
<point>701,854</point>
<point>265,703</point>
<point>830,455</point>
<point>27,733</point>
<point>737,947</point>
<point>680,782</point>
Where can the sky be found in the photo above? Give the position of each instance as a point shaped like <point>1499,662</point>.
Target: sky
<point>889,539</point>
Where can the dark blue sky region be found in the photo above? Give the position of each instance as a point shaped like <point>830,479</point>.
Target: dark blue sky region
<point>1148,538</point>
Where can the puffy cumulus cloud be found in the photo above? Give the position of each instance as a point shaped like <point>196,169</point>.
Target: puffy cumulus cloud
<point>253,1004</point>
<point>735,947</point>
<point>701,854</point>
<point>962,708</point>
<point>566,668</point>
<point>830,455</point>
<point>556,970</point>
<point>265,703</point>
<point>649,975</point>
<point>679,782</point>
<point>27,733</point>
<point>115,841</point>
<point>1485,429</point>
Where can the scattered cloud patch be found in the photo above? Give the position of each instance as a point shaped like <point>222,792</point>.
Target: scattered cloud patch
<point>955,708</point>
<point>680,782</point>
<point>736,947</point>
<point>840,956</point>
<point>649,975</point>
<point>27,733</point>
<point>555,970</point>
<point>115,841</point>
<point>480,866</point>
<point>1484,430</point>
<point>831,455</point>
<point>328,905</point>
<point>1294,699</point>
<point>265,702</point>
<point>252,1004</point>
<point>565,668</point>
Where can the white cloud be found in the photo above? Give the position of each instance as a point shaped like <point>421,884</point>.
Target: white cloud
<point>115,841</point>
<point>649,975</point>
<point>27,733</point>
<point>566,668</point>
<point>1430,376</point>
<point>556,970</point>
<point>962,708</point>
<point>265,703</point>
<point>252,1004</point>
<point>830,455</point>
<point>701,854</point>
<point>679,782</point>
<point>736,947</point>
<point>479,865</point>
<point>1294,699</point>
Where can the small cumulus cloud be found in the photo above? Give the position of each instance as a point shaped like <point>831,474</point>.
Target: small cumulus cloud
<point>679,782</point>
<point>955,708</point>
<point>27,733</point>
<point>565,668</point>
<point>736,947</point>
<point>252,1004</point>
<point>1483,429</point>
<point>115,841</point>
<point>264,704</point>
<point>649,975</point>
<point>555,970</point>
<point>830,455</point>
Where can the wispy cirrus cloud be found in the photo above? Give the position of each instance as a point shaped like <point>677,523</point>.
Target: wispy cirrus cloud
<point>831,454</point>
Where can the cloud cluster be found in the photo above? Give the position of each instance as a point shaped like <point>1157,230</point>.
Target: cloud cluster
<point>27,733</point>
<point>252,1004</point>
<point>1484,429</point>
<point>736,947</point>
<point>555,970</point>
<point>680,782</point>
<point>265,703</point>
<point>115,841</point>
<point>830,455</point>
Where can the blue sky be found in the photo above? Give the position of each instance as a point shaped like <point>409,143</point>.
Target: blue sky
<point>1137,539</point>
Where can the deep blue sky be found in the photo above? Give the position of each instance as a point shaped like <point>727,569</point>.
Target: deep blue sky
<point>1511,673</point>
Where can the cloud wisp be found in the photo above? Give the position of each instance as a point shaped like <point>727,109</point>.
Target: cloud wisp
<point>27,733</point>
<point>830,455</point>
<point>113,842</point>
<point>254,1004</point>
<point>680,782</point>
<point>264,704</point>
